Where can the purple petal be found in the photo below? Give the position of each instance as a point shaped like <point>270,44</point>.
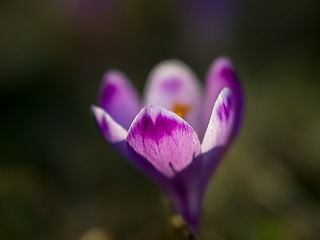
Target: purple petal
<point>222,75</point>
<point>164,139</point>
<point>111,130</point>
<point>185,195</point>
<point>118,98</point>
<point>217,137</point>
<point>221,122</point>
<point>174,86</point>
<point>181,189</point>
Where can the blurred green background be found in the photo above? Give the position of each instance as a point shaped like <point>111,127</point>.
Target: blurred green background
<point>59,179</point>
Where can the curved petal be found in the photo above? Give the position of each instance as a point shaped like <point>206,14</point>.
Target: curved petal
<point>221,122</point>
<point>111,130</point>
<point>164,139</point>
<point>218,135</point>
<point>118,98</point>
<point>172,85</point>
<point>223,75</point>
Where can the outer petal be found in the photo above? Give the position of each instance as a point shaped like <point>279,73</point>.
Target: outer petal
<point>221,75</point>
<point>112,131</point>
<point>221,122</point>
<point>119,98</point>
<point>217,137</point>
<point>174,86</point>
<point>181,189</point>
<point>164,139</point>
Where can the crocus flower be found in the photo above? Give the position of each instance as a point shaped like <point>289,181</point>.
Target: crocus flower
<point>178,133</point>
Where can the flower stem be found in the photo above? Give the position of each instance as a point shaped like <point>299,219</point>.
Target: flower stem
<point>180,229</point>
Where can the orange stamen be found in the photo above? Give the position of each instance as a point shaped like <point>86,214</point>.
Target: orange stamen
<point>181,109</point>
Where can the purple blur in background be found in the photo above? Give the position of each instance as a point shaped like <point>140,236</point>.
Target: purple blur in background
<point>209,25</point>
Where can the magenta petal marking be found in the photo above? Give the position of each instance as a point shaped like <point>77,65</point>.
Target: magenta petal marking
<point>225,108</point>
<point>164,139</point>
<point>119,98</point>
<point>172,85</point>
<point>111,130</point>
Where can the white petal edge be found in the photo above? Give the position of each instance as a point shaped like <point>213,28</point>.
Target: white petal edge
<point>111,130</point>
<point>218,131</point>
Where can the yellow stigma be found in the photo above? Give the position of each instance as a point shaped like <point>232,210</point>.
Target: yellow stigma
<point>181,109</point>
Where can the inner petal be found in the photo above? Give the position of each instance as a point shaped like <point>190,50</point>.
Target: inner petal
<point>174,86</point>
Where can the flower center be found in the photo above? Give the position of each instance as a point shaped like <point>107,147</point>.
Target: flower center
<point>181,109</point>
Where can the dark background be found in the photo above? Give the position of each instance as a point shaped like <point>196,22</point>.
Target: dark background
<point>59,179</point>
